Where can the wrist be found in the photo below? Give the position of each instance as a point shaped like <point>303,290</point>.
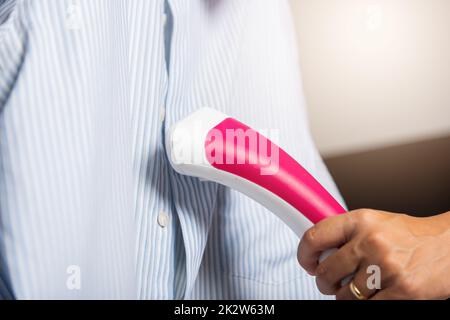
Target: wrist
<point>441,225</point>
<point>437,226</point>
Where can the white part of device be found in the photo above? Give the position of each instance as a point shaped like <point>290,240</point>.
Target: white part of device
<point>185,145</point>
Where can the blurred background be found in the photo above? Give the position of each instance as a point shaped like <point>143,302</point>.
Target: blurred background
<point>377,82</point>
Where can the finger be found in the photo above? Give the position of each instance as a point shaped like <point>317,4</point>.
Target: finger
<point>336,267</point>
<point>361,284</point>
<point>344,293</point>
<point>386,294</point>
<point>328,233</point>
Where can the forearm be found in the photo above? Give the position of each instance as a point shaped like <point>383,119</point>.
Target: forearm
<point>445,220</point>
<point>442,223</point>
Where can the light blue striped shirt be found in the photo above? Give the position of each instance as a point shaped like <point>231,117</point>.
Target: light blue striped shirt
<point>89,205</point>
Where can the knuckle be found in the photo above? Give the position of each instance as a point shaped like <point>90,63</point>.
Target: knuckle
<point>304,261</point>
<point>364,215</point>
<point>408,288</point>
<point>309,237</point>
<point>355,250</point>
<point>324,286</point>
<point>375,240</point>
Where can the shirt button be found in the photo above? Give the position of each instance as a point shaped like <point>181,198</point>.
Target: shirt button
<point>162,114</point>
<point>163,219</point>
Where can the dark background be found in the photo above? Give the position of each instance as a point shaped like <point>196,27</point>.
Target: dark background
<point>412,178</point>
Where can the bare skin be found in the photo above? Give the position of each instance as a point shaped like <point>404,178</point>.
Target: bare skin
<point>413,254</point>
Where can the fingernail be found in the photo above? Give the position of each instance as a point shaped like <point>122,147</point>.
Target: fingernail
<point>312,233</point>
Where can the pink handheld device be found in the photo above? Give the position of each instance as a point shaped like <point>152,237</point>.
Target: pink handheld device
<point>212,146</point>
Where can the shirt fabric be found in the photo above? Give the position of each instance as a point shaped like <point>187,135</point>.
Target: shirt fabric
<point>88,90</point>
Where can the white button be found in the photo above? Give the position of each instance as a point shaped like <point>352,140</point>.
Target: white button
<point>162,114</point>
<point>163,219</point>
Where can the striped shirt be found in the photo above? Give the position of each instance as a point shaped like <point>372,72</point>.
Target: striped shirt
<point>89,205</point>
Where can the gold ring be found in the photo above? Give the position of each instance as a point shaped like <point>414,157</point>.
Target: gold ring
<point>356,292</point>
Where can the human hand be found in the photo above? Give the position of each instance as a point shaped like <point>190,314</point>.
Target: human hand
<point>413,254</point>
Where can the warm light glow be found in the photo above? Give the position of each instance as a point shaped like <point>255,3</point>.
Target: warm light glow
<point>376,72</point>
<point>374,17</point>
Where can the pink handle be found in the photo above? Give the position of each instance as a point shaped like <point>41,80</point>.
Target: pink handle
<point>289,180</point>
